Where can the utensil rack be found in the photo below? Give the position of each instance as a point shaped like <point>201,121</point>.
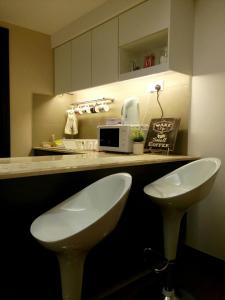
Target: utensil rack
<point>84,106</point>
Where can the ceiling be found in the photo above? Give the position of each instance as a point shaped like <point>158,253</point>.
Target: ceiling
<point>46,16</point>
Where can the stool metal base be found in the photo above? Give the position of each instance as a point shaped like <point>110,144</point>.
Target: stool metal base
<point>180,295</point>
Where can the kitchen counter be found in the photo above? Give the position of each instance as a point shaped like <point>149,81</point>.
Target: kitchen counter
<point>16,167</point>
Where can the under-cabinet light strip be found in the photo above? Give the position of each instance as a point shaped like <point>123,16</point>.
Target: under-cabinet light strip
<point>107,100</point>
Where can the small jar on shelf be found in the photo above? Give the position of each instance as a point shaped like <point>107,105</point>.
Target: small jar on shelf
<point>149,61</point>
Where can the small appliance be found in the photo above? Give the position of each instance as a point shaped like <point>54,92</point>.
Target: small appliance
<point>116,138</point>
<point>130,113</point>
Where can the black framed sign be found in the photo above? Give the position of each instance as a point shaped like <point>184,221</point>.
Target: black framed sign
<point>162,134</point>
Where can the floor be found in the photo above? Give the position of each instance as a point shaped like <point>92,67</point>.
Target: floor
<point>201,275</point>
<point>198,276</point>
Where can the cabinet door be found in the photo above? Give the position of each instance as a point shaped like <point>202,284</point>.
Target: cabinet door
<point>81,62</point>
<point>105,53</point>
<point>62,57</point>
<point>143,20</point>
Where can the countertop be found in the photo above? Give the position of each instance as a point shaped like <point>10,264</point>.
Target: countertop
<point>15,167</point>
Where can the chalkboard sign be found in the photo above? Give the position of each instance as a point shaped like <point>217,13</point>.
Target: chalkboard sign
<point>162,134</point>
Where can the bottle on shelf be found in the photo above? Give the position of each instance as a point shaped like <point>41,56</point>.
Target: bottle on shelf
<point>133,66</point>
<point>164,56</point>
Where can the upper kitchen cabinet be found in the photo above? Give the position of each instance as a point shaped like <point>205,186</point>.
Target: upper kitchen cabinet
<point>105,53</point>
<point>62,60</point>
<point>81,62</point>
<point>143,20</point>
<point>156,36</point>
<point>152,37</point>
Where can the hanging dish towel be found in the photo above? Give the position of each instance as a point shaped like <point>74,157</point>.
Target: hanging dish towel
<point>71,123</point>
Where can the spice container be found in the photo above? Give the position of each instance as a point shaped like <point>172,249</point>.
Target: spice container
<point>149,61</point>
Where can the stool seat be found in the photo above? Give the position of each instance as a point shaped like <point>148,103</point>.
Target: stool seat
<point>186,185</point>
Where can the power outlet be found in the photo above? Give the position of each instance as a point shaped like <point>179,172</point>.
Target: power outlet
<point>152,86</point>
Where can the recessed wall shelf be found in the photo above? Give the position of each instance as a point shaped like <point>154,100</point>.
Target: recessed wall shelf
<point>145,71</point>
<point>132,55</point>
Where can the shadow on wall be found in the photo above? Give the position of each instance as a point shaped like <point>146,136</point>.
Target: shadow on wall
<point>181,142</point>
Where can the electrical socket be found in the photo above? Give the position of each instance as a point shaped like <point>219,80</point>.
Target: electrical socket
<point>152,86</point>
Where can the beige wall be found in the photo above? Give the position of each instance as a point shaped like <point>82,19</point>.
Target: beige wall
<point>48,117</point>
<point>49,114</point>
<point>206,225</point>
<point>31,71</point>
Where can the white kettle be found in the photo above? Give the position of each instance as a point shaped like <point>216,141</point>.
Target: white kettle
<point>130,113</point>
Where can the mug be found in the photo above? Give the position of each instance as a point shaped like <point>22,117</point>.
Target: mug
<point>86,109</point>
<point>94,109</point>
<point>103,107</point>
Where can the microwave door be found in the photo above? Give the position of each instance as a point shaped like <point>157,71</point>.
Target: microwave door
<point>109,137</point>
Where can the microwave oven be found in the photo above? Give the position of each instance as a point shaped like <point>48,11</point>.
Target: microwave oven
<point>116,138</point>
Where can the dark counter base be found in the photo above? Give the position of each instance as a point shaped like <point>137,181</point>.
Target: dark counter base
<point>40,152</point>
<point>33,271</point>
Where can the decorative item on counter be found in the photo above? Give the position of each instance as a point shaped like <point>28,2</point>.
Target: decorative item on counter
<point>149,61</point>
<point>137,136</point>
<point>164,56</point>
<point>162,134</point>
<point>58,143</point>
<point>53,142</point>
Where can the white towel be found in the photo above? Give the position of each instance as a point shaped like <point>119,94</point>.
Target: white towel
<point>71,123</point>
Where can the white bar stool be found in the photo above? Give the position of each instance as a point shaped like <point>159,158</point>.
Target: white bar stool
<point>175,193</point>
<point>74,226</point>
